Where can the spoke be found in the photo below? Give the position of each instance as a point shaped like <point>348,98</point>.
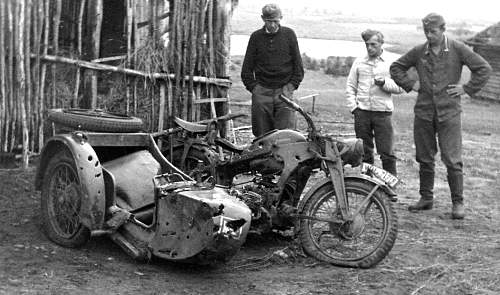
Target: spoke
<point>65,202</point>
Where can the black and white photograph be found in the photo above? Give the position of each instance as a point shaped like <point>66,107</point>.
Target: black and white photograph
<point>277,147</point>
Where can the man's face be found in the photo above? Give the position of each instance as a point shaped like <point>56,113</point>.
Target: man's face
<point>373,46</point>
<point>272,25</point>
<point>434,34</point>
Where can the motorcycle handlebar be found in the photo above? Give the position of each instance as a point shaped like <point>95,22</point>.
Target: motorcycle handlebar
<point>298,108</point>
<point>290,102</point>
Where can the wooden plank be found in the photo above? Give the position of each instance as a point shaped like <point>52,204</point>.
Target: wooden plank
<point>210,100</point>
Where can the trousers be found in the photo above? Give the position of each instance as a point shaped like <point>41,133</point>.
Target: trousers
<point>370,126</point>
<point>428,135</point>
<point>269,112</point>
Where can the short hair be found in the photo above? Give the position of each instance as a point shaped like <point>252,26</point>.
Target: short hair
<point>367,34</point>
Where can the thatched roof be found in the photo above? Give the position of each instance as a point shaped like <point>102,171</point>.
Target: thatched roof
<point>489,36</point>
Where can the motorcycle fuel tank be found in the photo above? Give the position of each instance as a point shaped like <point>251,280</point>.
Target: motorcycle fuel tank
<point>277,137</point>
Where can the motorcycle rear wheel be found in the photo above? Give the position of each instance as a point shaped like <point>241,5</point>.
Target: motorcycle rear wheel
<point>364,242</point>
<point>193,158</point>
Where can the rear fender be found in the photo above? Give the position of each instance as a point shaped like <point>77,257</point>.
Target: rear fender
<point>90,174</point>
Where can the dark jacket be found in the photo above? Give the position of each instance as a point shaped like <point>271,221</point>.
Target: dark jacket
<point>272,60</point>
<point>436,72</point>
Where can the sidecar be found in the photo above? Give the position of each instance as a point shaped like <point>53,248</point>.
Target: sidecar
<point>120,185</point>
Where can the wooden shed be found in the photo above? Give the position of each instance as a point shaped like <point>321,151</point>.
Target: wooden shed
<point>154,59</point>
<point>487,44</point>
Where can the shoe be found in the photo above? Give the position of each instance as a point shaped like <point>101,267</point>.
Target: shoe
<point>457,211</point>
<point>422,204</point>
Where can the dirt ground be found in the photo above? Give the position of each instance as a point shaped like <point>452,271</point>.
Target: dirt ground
<point>433,254</point>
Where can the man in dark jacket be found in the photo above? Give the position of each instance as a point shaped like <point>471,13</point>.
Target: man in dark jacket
<point>437,110</point>
<point>272,66</point>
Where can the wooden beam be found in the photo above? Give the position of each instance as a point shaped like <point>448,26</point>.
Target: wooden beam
<point>103,67</point>
<point>210,100</point>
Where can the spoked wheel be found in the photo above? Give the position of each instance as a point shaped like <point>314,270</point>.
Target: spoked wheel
<point>61,203</point>
<point>362,242</point>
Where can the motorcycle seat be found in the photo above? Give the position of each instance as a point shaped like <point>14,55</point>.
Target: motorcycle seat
<point>190,126</point>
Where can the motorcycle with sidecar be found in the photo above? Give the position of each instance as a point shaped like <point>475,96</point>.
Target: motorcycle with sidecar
<point>100,175</point>
<point>344,219</point>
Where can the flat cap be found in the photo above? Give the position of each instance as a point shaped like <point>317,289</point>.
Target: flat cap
<point>271,12</point>
<point>433,20</point>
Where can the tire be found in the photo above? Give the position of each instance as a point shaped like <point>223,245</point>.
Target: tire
<point>193,157</point>
<point>364,243</point>
<point>61,202</point>
<point>95,120</point>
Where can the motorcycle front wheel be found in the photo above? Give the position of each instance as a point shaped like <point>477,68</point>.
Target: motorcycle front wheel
<point>362,242</point>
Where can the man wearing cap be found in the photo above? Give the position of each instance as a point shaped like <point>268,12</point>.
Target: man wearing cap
<point>437,110</point>
<point>272,66</point>
<point>369,92</point>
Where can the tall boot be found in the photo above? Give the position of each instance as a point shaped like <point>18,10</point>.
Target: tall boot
<point>456,184</point>
<point>389,165</point>
<point>426,192</point>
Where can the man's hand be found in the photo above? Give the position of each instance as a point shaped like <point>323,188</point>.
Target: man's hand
<point>416,86</point>
<point>455,90</point>
<point>379,81</point>
<point>288,90</point>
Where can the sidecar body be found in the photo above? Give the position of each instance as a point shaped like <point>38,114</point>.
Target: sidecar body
<point>120,185</point>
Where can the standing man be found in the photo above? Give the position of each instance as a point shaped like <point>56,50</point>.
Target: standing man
<point>437,110</point>
<point>369,98</point>
<point>272,66</point>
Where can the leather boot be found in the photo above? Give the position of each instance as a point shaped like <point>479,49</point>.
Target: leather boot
<point>457,211</point>
<point>422,204</point>
<point>389,165</point>
<point>426,191</point>
<point>426,184</point>
<point>456,184</point>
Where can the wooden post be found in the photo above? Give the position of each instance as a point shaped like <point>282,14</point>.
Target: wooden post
<point>43,70</point>
<point>79,51</point>
<point>27,70</point>
<point>37,115</point>
<point>55,48</point>
<point>3,97</point>
<point>94,13</point>
<point>11,113</point>
<point>130,18</point>
<point>223,58</point>
<point>21,77</point>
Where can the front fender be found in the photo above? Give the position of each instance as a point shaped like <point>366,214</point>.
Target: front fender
<point>360,177</point>
<point>90,174</point>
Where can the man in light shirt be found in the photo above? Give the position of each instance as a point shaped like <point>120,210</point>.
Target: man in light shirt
<point>369,97</point>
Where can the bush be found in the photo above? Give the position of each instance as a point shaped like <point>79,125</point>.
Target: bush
<point>310,63</point>
<point>338,65</point>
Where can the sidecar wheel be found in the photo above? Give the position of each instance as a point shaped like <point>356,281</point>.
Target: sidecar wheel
<point>61,202</point>
<point>364,242</point>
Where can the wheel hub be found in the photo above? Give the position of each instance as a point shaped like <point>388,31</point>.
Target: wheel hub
<point>352,229</point>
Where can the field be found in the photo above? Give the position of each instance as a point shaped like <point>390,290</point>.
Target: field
<point>433,254</point>
<point>401,33</point>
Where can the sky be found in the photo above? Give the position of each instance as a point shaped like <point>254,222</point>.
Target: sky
<point>486,10</point>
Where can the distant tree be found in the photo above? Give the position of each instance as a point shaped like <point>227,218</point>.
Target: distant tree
<point>310,63</point>
<point>338,66</point>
